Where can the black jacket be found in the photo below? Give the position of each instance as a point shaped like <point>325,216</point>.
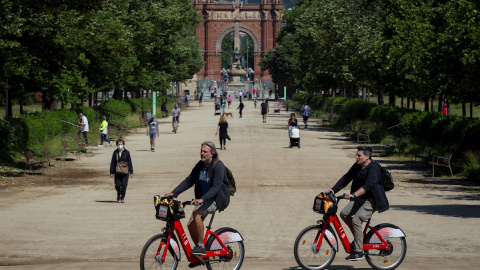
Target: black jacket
<point>218,192</point>
<point>368,179</point>
<point>125,157</point>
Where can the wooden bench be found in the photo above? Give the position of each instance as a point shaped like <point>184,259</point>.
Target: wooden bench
<point>81,144</point>
<point>350,127</point>
<point>442,161</point>
<point>30,161</point>
<point>363,133</point>
<point>67,150</point>
<point>49,155</point>
<point>394,145</point>
<point>424,155</point>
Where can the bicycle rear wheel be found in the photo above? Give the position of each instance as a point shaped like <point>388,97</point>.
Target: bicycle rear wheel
<point>305,249</point>
<point>237,252</point>
<point>148,258</point>
<point>383,260</point>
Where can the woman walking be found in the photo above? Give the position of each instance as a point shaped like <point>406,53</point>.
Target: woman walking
<point>121,168</point>
<point>292,123</point>
<point>223,135</point>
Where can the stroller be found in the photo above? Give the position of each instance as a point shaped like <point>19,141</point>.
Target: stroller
<point>294,137</point>
<point>217,109</point>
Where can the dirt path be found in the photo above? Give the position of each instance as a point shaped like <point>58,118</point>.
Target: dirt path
<point>79,225</point>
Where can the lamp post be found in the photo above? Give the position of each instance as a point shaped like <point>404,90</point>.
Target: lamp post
<point>248,75</point>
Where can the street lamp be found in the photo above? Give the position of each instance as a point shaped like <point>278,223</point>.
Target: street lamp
<point>247,58</point>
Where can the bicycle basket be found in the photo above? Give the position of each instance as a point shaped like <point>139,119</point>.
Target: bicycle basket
<point>167,209</point>
<point>324,204</point>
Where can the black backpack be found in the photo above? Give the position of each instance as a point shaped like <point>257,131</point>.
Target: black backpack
<point>231,180</point>
<point>387,180</point>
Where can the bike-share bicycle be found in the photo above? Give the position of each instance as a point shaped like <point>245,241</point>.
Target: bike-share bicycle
<point>384,245</point>
<point>224,247</point>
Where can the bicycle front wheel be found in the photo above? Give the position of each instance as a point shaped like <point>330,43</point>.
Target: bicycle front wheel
<point>383,260</point>
<point>305,251</point>
<point>149,259</point>
<point>237,252</point>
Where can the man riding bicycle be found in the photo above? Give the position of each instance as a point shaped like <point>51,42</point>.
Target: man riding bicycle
<point>367,196</point>
<point>175,116</point>
<point>211,192</point>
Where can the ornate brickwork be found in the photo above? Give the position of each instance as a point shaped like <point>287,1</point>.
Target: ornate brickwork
<point>260,21</point>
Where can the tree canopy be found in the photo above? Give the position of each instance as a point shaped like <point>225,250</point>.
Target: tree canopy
<point>417,49</point>
<point>67,49</point>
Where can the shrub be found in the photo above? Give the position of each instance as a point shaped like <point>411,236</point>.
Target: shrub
<point>471,166</point>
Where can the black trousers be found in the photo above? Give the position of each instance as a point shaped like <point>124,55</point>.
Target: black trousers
<point>223,141</point>
<point>240,111</point>
<point>121,183</point>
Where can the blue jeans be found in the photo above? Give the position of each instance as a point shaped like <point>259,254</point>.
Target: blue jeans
<point>104,137</point>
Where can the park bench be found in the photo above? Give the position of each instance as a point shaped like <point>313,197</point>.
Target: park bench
<point>424,155</point>
<point>31,162</point>
<point>80,143</point>
<point>363,133</point>
<point>330,118</point>
<point>350,127</point>
<point>67,149</point>
<point>394,145</point>
<point>441,161</point>
<point>49,155</point>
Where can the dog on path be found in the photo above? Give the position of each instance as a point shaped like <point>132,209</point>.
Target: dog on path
<point>227,114</point>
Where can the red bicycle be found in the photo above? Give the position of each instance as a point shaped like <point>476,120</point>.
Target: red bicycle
<point>384,245</point>
<point>224,247</point>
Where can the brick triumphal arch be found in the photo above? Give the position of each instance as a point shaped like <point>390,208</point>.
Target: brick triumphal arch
<point>260,21</point>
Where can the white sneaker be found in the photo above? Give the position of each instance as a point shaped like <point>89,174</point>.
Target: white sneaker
<point>110,143</point>
<point>100,145</point>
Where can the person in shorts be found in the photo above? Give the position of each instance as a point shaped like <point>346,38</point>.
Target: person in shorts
<point>209,176</point>
<point>306,113</point>
<point>264,110</point>
<point>152,131</point>
<point>175,115</point>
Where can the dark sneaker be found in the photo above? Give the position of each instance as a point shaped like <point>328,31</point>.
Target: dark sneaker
<point>198,250</point>
<point>118,197</point>
<point>354,256</point>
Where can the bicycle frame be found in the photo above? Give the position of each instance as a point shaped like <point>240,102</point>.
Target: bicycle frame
<point>333,219</point>
<point>185,243</point>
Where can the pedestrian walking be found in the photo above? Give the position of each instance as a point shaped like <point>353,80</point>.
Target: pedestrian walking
<point>306,113</point>
<point>240,108</point>
<point>103,132</point>
<point>264,110</point>
<point>83,126</point>
<point>200,99</point>
<point>255,103</point>
<point>121,168</point>
<point>222,132</point>
<point>445,106</point>
<point>152,131</point>
<point>175,116</point>
<point>229,101</point>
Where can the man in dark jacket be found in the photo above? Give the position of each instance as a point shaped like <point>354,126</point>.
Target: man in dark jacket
<point>367,196</point>
<point>211,192</point>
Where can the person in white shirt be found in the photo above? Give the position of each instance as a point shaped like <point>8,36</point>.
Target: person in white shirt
<point>83,126</point>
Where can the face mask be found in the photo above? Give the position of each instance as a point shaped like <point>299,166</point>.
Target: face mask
<point>120,147</point>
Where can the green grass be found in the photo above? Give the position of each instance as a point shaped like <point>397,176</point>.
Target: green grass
<point>16,110</point>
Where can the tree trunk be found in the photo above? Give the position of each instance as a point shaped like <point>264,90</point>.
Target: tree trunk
<point>364,93</point>
<point>90,100</point>
<point>401,101</point>
<point>431,104</point>
<point>44,100</point>
<point>21,106</point>
<point>439,104</point>
<point>413,103</point>
<point>391,100</point>
<point>408,103</point>
<point>471,109</point>
<point>464,110</point>
<point>426,103</point>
